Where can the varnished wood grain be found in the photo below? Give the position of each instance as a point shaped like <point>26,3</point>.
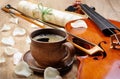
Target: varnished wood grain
<point>106,68</point>
<point>108,8</point>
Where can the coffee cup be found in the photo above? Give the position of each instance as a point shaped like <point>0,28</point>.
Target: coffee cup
<point>49,47</point>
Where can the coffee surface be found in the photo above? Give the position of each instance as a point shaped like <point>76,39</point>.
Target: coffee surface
<point>48,38</point>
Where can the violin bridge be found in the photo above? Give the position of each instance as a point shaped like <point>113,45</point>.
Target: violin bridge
<point>115,41</point>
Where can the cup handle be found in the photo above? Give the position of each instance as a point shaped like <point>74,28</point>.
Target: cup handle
<point>70,49</point>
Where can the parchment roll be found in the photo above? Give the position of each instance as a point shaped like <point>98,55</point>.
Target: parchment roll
<point>48,14</point>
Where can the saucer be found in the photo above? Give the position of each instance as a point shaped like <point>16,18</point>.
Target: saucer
<point>35,67</point>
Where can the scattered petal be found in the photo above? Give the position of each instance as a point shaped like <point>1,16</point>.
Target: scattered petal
<point>17,57</point>
<point>8,41</point>
<point>22,69</point>
<point>2,59</point>
<point>51,73</point>
<point>10,51</point>
<point>5,27</point>
<point>79,23</point>
<point>19,31</point>
<point>14,20</point>
<point>58,77</point>
<point>28,40</point>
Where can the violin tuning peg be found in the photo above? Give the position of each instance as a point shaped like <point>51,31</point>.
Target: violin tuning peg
<point>70,8</point>
<point>92,7</point>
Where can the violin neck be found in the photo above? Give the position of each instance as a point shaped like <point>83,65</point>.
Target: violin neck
<point>104,25</point>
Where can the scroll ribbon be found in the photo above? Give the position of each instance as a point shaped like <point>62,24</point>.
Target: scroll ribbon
<point>44,11</point>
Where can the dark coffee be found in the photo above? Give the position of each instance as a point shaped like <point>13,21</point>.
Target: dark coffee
<point>43,39</point>
<point>48,38</point>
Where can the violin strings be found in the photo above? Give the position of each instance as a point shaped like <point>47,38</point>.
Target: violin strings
<point>99,19</point>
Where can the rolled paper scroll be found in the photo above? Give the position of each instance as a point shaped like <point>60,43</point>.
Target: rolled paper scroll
<point>48,14</point>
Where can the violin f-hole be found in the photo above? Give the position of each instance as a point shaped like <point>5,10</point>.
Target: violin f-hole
<point>100,55</point>
<point>103,53</point>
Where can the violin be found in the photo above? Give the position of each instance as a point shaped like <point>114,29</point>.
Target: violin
<point>104,33</point>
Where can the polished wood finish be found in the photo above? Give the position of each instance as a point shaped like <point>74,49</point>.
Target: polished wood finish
<point>108,8</point>
<point>103,68</point>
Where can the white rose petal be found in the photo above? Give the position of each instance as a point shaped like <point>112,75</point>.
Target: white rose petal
<point>79,23</point>
<point>10,51</point>
<point>19,31</point>
<point>5,27</point>
<point>2,59</point>
<point>28,40</point>
<point>22,69</point>
<point>58,77</point>
<point>14,20</point>
<point>8,41</point>
<point>51,73</point>
<point>17,57</point>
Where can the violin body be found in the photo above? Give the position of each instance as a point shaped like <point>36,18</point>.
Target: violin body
<point>99,30</point>
<point>106,68</point>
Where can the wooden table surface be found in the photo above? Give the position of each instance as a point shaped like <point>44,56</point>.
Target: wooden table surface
<point>110,9</point>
